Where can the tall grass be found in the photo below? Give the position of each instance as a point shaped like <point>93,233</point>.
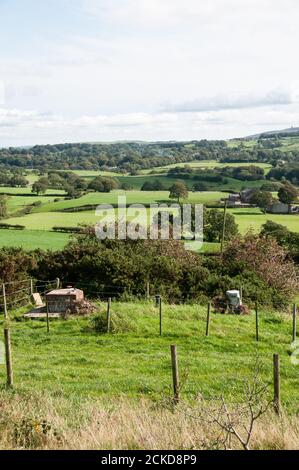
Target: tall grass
<point>44,421</point>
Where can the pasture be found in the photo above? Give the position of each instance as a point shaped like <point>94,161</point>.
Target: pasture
<point>253,219</point>
<point>132,197</point>
<point>49,214</point>
<point>75,359</point>
<point>17,203</point>
<point>205,164</point>
<point>33,239</point>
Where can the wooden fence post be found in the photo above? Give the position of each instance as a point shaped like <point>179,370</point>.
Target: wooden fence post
<point>57,283</point>
<point>208,319</point>
<point>160,314</point>
<point>294,322</point>
<point>9,369</point>
<point>4,301</point>
<point>109,315</point>
<point>175,374</point>
<point>47,312</point>
<point>148,290</point>
<point>256,322</point>
<point>31,286</point>
<point>276,365</point>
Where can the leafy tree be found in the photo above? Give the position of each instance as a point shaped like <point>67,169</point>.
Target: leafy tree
<point>288,193</point>
<point>262,199</point>
<point>56,181</point>
<point>40,186</point>
<point>103,184</point>
<point>213,226</point>
<point>266,258</point>
<point>18,181</point>
<point>156,185</point>
<point>3,206</point>
<point>71,191</point>
<point>277,231</point>
<point>178,190</point>
<point>126,187</point>
<point>200,186</point>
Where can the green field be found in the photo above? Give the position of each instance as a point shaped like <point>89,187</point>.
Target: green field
<point>28,192</point>
<point>41,219</point>
<point>132,197</point>
<point>87,174</point>
<point>16,203</point>
<point>290,144</point>
<point>230,184</point>
<point>135,361</point>
<point>50,214</point>
<point>32,239</point>
<point>253,218</point>
<point>48,220</point>
<point>205,164</point>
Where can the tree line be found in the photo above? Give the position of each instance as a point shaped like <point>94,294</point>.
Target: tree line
<point>131,157</point>
<point>257,263</point>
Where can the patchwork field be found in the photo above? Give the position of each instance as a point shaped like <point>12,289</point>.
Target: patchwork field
<point>49,214</point>
<point>17,203</point>
<point>205,164</point>
<point>230,184</point>
<point>33,239</point>
<point>253,219</point>
<point>51,207</point>
<point>132,197</point>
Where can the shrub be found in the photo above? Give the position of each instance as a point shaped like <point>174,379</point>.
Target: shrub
<point>267,259</point>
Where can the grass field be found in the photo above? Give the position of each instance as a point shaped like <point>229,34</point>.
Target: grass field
<point>48,220</point>
<point>28,192</point>
<point>33,239</point>
<point>16,203</point>
<point>253,218</point>
<point>230,184</point>
<point>87,174</point>
<point>41,221</point>
<point>132,197</point>
<point>135,361</point>
<point>206,164</point>
<point>290,144</point>
<point>246,219</point>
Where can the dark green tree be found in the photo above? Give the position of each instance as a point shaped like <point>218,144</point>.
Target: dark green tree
<point>262,199</point>
<point>288,193</point>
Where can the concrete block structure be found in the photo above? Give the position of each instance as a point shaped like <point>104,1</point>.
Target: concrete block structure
<point>62,300</point>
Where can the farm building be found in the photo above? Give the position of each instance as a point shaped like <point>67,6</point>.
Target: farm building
<point>235,200</point>
<point>246,195</point>
<point>281,208</point>
<point>61,300</point>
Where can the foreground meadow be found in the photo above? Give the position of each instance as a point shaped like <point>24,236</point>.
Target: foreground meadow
<point>78,387</point>
<point>78,356</point>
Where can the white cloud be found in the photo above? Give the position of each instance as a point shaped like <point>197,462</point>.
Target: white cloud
<point>2,92</point>
<point>153,69</point>
<point>32,127</point>
<point>233,101</point>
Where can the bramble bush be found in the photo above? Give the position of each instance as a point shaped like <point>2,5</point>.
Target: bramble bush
<point>113,268</point>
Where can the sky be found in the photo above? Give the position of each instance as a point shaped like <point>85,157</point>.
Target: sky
<point>106,70</point>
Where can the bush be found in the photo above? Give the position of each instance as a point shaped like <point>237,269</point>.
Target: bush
<point>11,227</point>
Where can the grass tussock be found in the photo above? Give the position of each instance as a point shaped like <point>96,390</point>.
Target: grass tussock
<point>43,421</point>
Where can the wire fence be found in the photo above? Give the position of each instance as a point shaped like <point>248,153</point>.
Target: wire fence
<point>17,293</point>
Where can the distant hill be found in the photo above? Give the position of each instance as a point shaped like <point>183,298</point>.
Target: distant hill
<point>278,133</point>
